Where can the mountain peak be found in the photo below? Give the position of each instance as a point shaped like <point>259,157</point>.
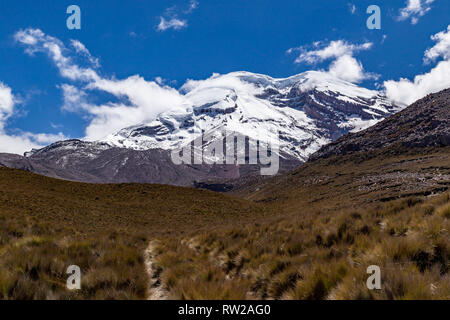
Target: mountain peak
<point>307,110</point>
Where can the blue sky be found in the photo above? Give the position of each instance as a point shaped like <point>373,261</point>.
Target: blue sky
<point>172,41</point>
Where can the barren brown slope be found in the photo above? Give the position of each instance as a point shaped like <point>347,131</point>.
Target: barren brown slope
<point>356,180</point>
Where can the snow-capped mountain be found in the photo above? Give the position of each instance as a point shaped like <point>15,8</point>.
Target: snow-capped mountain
<point>306,111</point>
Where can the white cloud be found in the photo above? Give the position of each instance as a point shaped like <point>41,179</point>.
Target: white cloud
<point>81,49</point>
<point>21,141</point>
<point>146,99</point>
<point>349,69</point>
<point>137,100</point>
<point>173,23</point>
<point>344,65</point>
<point>74,98</point>
<point>16,144</point>
<point>442,47</point>
<point>26,141</point>
<point>36,41</point>
<point>414,10</point>
<point>6,103</point>
<point>171,18</point>
<point>42,139</point>
<point>406,91</point>
<point>324,51</point>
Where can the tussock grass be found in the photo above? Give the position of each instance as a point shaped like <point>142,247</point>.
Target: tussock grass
<point>319,256</point>
<point>46,225</point>
<point>309,234</point>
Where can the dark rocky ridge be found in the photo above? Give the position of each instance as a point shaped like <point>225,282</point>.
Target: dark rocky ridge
<point>426,123</point>
<point>95,162</point>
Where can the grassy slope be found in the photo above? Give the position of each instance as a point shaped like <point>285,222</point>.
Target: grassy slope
<point>334,218</point>
<point>318,256</point>
<point>47,225</point>
<point>356,180</point>
<point>309,234</point>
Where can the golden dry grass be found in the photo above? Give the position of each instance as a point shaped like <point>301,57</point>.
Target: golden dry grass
<point>47,225</point>
<point>318,256</point>
<point>309,234</point>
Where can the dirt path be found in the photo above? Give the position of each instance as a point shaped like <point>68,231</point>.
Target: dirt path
<point>156,290</point>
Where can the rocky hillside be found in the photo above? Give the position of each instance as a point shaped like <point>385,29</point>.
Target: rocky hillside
<point>426,123</point>
<point>405,155</point>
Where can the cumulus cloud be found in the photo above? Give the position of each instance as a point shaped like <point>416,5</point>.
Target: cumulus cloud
<point>137,100</point>
<point>414,10</point>
<point>171,18</point>
<point>147,99</point>
<point>442,47</point>
<point>349,69</point>
<point>20,141</point>
<point>405,91</point>
<point>344,65</point>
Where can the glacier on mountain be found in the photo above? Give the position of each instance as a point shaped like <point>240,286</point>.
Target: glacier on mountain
<point>305,112</point>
